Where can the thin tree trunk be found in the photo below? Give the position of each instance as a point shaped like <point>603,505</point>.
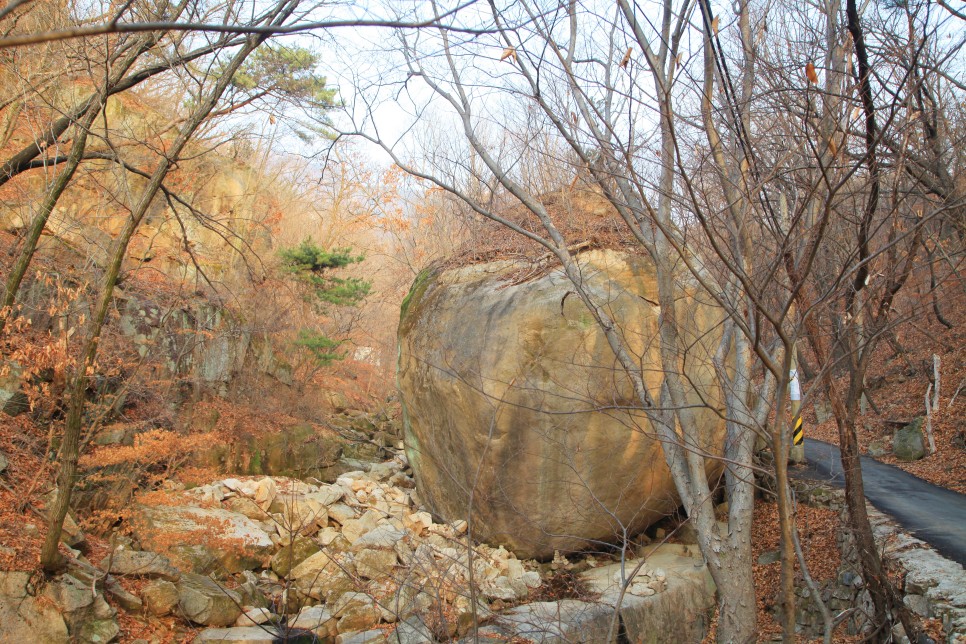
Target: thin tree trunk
<point>22,263</point>
<point>50,557</point>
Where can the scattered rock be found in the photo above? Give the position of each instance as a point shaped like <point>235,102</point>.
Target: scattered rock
<point>160,597</point>
<point>412,631</point>
<point>567,620</point>
<point>878,448</point>
<point>384,536</point>
<point>327,495</point>
<point>374,636</point>
<point>316,576</point>
<point>382,471</point>
<point>254,617</point>
<point>375,564</point>
<point>112,435</point>
<point>292,555</point>
<point>242,544</point>
<point>352,529</point>
<point>303,515</point>
<point>242,635</point>
<point>316,620</point>
<point>342,513</point>
<point>246,506</point>
<point>13,400</point>
<point>418,522</point>
<point>25,617</point>
<point>72,535</point>
<point>4,463</point>
<point>205,602</point>
<point>89,618</point>
<point>356,612</point>
<point>679,595</point>
<point>769,557</point>
<point>265,492</point>
<point>140,564</point>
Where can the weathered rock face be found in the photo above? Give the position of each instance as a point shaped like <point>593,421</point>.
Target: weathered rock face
<point>509,388</point>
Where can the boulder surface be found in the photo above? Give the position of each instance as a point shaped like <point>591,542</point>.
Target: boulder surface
<point>511,390</point>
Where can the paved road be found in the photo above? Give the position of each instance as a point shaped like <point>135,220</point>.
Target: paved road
<point>931,513</point>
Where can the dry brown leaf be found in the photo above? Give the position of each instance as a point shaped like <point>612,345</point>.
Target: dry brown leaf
<point>508,53</point>
<point>811,74</point>
<point>714,25</point>
<point>627,57</point>
<point>832,147</point>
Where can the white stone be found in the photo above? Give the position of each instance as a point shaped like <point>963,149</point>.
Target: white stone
<point>327,536</point>
<point>418,522</point>
<point>316,619</point>
<point>265,492</point>
<point>379,537</point>
<point>355,528</point>
<point>254,616</point>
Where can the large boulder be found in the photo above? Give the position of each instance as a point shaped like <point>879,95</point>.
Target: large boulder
<point>511,390</point>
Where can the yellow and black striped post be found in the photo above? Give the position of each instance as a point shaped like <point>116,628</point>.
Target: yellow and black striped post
<point>798,432</point>
<point>797,450</point>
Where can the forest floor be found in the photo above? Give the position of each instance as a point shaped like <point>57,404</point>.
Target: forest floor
<point>897,385</point>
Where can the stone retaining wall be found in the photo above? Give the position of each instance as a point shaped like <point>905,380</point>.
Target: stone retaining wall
<point>935,587</point>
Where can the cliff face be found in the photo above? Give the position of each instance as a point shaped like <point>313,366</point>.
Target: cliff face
<point>512,396</point>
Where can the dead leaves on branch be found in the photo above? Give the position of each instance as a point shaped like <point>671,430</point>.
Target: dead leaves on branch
<point>627,57</point>
<point>811,74</point>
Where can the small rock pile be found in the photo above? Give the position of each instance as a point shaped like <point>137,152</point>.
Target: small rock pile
<point>645,583</point>
<point>331,559</point>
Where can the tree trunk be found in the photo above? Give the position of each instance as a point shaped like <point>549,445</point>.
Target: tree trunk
<point>50,557</point>
<point>737,608</point>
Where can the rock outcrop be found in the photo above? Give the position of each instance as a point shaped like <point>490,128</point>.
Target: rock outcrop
<point>511,390</point>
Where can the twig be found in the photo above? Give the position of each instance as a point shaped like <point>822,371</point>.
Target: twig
<point>958,389</point>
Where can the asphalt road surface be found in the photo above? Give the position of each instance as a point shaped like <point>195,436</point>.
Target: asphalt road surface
<point>931,513</point>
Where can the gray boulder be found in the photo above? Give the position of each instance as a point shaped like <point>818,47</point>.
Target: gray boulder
<point>567,620</point>
<point>13,401</point>
<point>292,555</point>
<point>240,635</point>
<point>375,636</point>
<point>160,597</point>
<point>88,616</point>
<point>238,542</point>
<point>908,444</point>
<point>314,619</point>
<point>140,564</point>
<point>412,631</point>
<point>205,602</point>
<point>25,617</point>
